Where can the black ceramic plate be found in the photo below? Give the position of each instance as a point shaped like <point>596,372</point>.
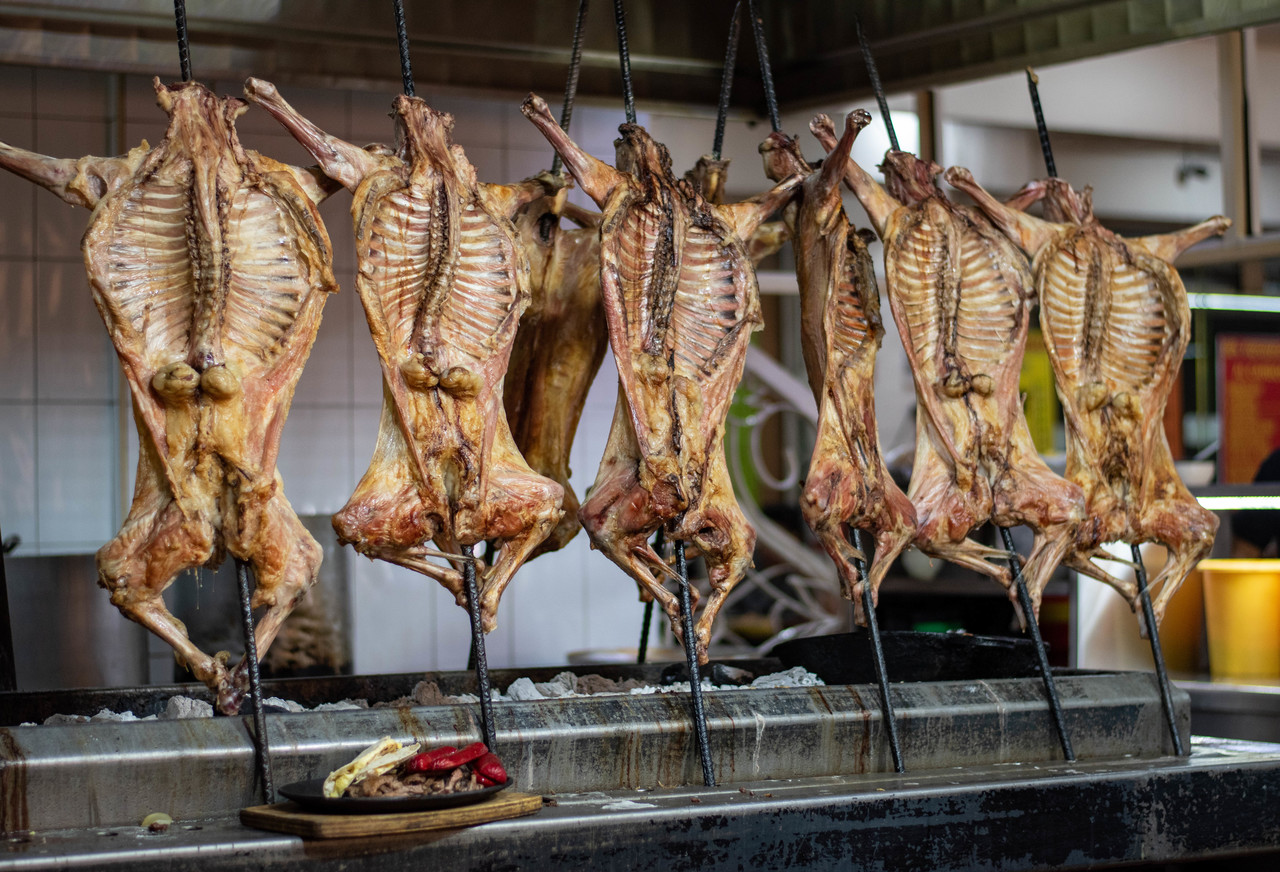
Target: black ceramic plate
<point>310,795</point>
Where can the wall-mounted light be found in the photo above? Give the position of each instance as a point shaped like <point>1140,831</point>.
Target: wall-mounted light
<point>1235,302</point>
<point>1227,504</point>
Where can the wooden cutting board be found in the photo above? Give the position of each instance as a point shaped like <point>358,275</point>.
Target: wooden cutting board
<point>288,817</point>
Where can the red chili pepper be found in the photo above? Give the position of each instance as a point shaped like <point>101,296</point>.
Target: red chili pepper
<point>489,770</point>
<point>426,761</point>
<point>451,758</point>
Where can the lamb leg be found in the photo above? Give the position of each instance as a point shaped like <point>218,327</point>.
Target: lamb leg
<point>346,163</point>
<point>1168,246</point>
<point>874,198</point>
<point>595,177</point>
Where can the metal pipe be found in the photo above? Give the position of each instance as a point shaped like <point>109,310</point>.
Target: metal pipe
<point>477,644</point>
<point>877,654</point>
<point>261,747</point>
<point>695,679</point>
<point>1162,675</point>
<point>1033,628</point>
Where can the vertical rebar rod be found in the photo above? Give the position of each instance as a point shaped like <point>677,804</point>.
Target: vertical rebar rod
<point>261,747</point>
<point>1162,675</point>
<point>1033,85</point>
<point>726,79</point>
<point>571,86</point>
<point>877,656</point>
<point>766,70</point>
<point>874,75</point>
<point>8,671</point>
<point>402,36</point>
<point>1033,628</point>
<point>184,45</point>
<point>477,644</point>
<point>695,678</point>
<point>624,60</point>
<point>659,545</point>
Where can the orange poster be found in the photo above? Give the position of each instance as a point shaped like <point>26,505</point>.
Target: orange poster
<point>1248,404</point>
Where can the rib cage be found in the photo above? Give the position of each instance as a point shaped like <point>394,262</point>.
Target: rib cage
<point>395,255</point>
<point>708,304</point>
<point>483,297</point>
<point>1106,324</point>
<point>146,273</point>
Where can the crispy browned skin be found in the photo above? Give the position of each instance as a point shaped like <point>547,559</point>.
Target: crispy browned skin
<point>443,282</point>
<point>681,301</point>
<point>210,266</point>
<point>848,486</point>
<point>1116,322</point>
<point>961,294</point>
<point>559,346</point>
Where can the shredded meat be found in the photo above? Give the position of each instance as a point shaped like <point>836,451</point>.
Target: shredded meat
<point>416,783</point>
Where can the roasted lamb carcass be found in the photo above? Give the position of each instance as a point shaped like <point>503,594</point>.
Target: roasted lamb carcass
<point>559,345</point>
<point>961,294</point>
<point>210,266</point>
<point>1116,324</point>
<point>681,301</point>
<point>443,281</point>
<point>848,486</point>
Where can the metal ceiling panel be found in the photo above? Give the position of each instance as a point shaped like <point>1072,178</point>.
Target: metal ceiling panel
<point>677,47</point>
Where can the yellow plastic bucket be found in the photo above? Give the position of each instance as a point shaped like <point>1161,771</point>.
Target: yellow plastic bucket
<point>1242,617</point>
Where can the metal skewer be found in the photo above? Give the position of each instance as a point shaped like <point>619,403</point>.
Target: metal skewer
<point>1033,629</point>
<point>1139,569</point>
<point>571,86</point>
<point>874,75</point>
<point>402,36</point>
<point>624,60</point>
<point>726,79</point>
<point>1033,85</point>
<point>659,545</point>
<point>184,47</point>
<point>766,71</point>
<point>877,657</point>
<point>695,679</point>
<point>1157,654</point>
<point>477,644</point>
<point>261,748</point>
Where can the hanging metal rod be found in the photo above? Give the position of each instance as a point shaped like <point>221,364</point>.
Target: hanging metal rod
<point>726,79</point>
<point>402,35</point>
<point>624,59</point>
<point>184,46</point>
<point>874,75</point>
<point>766,70</point>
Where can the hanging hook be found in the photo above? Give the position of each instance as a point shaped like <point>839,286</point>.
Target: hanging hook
<point>624,58</point>
<point>874,75</point>
<point>726,79</point>
<point>571,86</point>
<point>766,71</point>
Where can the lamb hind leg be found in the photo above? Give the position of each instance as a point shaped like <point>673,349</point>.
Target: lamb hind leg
<point>139,565</point>
<point>1187,530</point>
<point>527,507</point>
<point>285,560</point>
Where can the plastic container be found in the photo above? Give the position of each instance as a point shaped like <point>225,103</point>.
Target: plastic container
<point>1242,616</point>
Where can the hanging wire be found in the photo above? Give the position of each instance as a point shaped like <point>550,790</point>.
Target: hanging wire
<point>726,78</point>
<point>402,32</point>
<point>766,72</point>
<point>1033,84</point>
<point>571,86</point>
<point>874,75</point>
<point>624,58</point>
<point>184,47</point>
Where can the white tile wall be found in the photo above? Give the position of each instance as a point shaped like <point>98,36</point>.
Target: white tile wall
<point>17,330</point>
<point>18,474</point>
<point>75,477</point>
